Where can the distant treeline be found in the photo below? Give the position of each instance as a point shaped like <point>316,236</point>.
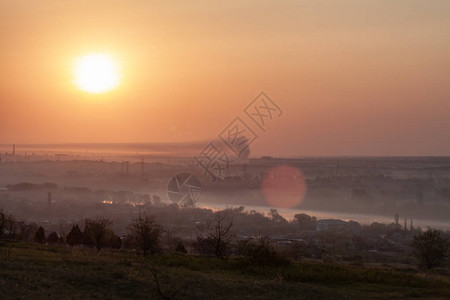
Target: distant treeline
<point>26,186</point>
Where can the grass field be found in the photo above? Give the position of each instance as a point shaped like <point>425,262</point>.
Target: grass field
<point>36,271</point>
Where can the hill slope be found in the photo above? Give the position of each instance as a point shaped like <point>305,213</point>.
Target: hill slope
<point>44,271</point>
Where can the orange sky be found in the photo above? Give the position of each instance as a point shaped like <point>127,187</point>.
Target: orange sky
<point>352,77</point>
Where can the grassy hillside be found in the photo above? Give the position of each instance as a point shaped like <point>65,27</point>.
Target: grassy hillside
<point>43,271</point>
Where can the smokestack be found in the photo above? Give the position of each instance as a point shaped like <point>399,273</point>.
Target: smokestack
<point>14,149</point>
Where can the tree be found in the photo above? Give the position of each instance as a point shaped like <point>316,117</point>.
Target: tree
<point>11,226</point>
<point>156,200</point>
<point>3,222</point>
<point>87,238</point>
<point>305,221</point>
<point>146,233</point>
<point>111,240</point>
<point>216,237</point>
<point>97,230</point>
<point>430,248</point>
<point>7,224</point>
<point>377,228</point>
<point>26,231</point>
<point>75,236</point>
<point>276,217</point>
<point>53,238</point>
<point>39,237</point>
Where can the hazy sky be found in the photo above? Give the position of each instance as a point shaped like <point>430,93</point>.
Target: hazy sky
<point>352,77</point>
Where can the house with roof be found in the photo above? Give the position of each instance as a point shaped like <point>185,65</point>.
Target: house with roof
<point>331,224</point>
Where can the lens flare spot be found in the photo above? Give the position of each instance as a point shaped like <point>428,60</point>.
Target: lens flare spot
<point>283,186</point>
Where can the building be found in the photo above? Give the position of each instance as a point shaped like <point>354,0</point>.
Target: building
<point>331,224</point>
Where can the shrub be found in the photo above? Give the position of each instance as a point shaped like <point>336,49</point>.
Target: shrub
<point>39,237</point>
<point>329,258</point>
<point>53,238</point>
<point>180,248</point>
<point>263,254</point>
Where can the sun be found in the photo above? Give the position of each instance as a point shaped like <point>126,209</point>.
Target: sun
<point>96,73</point>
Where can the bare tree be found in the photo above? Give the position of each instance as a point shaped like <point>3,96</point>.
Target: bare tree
<point>216,236</point>
<point>155,274</point>
<point>146,233</point>
<point>165,287</point>
<point>98,229</point>
<point>430,248</point>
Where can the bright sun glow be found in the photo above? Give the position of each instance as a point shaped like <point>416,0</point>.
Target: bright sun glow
<point>96,73</point>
